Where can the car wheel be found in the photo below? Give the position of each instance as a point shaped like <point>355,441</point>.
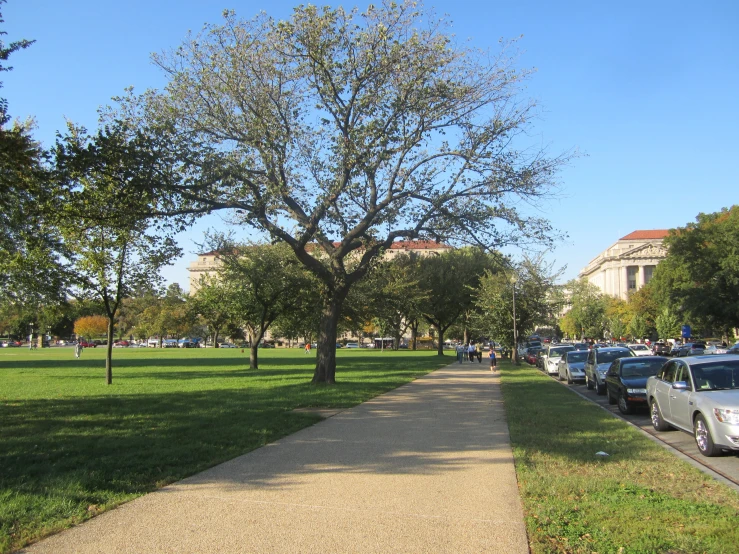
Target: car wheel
<point>588,382</point>
<point>611,399</point>
<point>658,423</point>
<point>703,438</point>
<point>623,406</point>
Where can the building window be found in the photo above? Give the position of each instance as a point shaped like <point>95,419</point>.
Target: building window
<point>631,272</point>
<point>648,272</point>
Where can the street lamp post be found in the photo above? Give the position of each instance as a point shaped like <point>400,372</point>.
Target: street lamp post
<point>514,358</point>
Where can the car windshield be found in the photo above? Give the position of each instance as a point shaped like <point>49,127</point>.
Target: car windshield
<point>577,356</point>
<point>639,347</point>
<point>559,351</point>
<point>641,368</point>
<point>607,356</point>
<point>718,375</point>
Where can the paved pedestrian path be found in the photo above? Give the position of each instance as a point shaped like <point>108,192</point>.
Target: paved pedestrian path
<point>424,468</point>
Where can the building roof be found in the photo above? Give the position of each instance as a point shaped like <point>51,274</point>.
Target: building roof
<point>649,234</point>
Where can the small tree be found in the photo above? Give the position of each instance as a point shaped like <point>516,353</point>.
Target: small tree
<point>113,250</point>
<point>265,282</point>
<point>91,326</point>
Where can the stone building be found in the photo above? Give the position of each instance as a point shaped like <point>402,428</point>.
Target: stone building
<point>208,263</point>
<point>627,265</point>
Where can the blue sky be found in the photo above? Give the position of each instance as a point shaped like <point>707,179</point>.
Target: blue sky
<point>646,90</point>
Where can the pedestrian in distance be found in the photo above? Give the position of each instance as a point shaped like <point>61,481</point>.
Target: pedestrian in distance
<point>77,350</point>
<point>478,352</point>
<point>307,348</point>
<point>493,361</point>
<point>471,352</point>
<point>460,352</point>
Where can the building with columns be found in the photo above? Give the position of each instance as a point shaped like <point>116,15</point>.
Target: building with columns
<point>627,265</point>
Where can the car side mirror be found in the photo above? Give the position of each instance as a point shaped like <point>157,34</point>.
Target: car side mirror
<point>680,385</point>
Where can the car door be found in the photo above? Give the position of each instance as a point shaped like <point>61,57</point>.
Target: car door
<point>663,386</point>
<point>589,364</point>
<point>681,399</point>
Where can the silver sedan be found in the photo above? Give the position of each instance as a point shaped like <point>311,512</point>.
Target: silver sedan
<point>571,366</point>
<point>700,395</point>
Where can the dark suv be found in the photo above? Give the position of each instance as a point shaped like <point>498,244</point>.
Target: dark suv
<point>597,364</point>
<point>661,349</point>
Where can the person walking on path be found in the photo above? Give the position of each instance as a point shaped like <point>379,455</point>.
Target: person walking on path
<point>478,352</point>
<point>493,361</point>
<point>460,352</point>
<point>77,349</point>
<point>307,348</point>
<point>471,351</point>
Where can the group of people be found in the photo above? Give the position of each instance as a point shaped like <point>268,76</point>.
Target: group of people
<point>471,351</point>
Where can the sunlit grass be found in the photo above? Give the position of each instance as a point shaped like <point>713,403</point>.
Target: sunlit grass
<point>72,446</point>
<point>640,498</point>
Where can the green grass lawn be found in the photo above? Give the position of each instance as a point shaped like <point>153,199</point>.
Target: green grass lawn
<point>640,498</point>
<point>71,446</point>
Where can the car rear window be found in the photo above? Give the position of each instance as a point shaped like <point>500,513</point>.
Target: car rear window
<point>640,368</point>
<point>607,356</point>
<point>559,351</point>
<point>577,356</point>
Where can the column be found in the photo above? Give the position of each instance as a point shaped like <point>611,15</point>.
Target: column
<point>640,278</point>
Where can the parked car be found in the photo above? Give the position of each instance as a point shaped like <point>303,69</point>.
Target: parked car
<point>691,349</point>
<point>581,346</point>
<point>169,343</point>
<point>640,349</point>
<point>675,347</point>
<point>626,381</point>
<point>530,353</point>
<point>734,349</point>
<point>352,345</point>
<point>572,366</point>
<point>265,345</point>
<point>187,343</point>
<point>121,344</point>
<point>699,395</point>
<point>153,342</point>
<point>597,365</point>
<point>87,344</point>
<point>227,345</point>
<point>715,349</point>
<point>661,348</point>
<point>554,353</point>
<point>540,357</point>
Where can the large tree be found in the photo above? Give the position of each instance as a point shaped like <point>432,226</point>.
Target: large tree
<point>347,131</point>
<point>450,282</point>
<point>699,278</point>
<point>587,308</point>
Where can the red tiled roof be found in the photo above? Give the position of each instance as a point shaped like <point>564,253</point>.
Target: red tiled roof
<point>650,234</point>
<point>417,245</point>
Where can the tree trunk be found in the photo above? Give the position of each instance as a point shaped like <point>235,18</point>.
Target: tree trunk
<point>440,349</point>
<point>109,353</point>
<point>325,372</point>
<point>254,340</point>
<point>414,334</point>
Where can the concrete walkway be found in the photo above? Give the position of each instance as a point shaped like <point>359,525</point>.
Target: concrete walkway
<point>424,468</point>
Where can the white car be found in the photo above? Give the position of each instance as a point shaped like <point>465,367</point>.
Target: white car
<point>554,355</point>
<point>352,345</point>
<point>227,345</point>
<point>640,349</point>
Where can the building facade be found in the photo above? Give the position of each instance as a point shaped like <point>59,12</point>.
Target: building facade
<point>627,265</point>
<point>209,262</point>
